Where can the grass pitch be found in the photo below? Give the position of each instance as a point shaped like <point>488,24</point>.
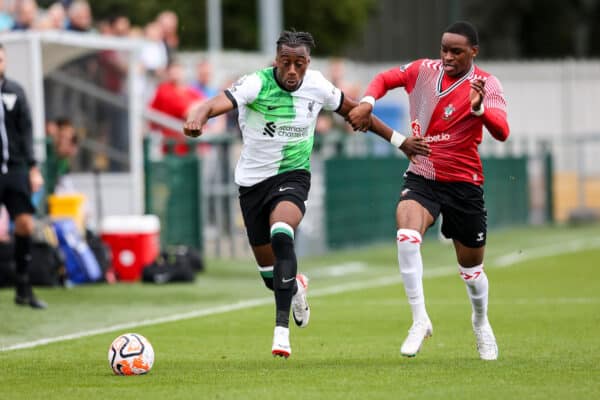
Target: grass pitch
<point>212,338</point>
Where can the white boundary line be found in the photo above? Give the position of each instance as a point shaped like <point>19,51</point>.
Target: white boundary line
<point>502,262</point>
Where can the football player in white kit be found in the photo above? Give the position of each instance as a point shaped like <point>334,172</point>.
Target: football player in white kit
<point>278,109</point>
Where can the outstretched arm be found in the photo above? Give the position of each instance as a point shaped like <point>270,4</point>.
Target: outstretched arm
<point>379,86</point>
<point>202,111</point>
<point>411,146</point>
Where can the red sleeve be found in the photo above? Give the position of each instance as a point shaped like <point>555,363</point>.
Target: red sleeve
<point>495,121</point>
<point>403,76</point>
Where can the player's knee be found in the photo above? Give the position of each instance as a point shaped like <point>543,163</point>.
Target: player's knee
<point>409,246</point>
<point>24,225</point>
<point>473,274</point>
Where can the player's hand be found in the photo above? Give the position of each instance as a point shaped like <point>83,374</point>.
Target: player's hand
<point>477,93</point>
<point>36,180</point>
<point>360,117</point>
<point>192,127</point>
<point>415,146</point>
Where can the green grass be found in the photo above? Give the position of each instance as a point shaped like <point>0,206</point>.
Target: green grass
<point>545,310</point>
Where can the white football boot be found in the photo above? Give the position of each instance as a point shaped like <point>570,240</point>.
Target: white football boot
<point>281,342</point>
<point>486,342</point>
<point>419,331</point>
<point>300,307</point>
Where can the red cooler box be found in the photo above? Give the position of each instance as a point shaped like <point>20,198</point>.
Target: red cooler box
<point>134,241</point>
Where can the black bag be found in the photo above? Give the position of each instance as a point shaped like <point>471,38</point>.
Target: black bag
<point>185,254</point>
<point>175,264</point>
<point>45,269</point>
<point>47,266</point>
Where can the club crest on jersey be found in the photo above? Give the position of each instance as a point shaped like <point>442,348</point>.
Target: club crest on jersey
<point>448,111</point>
<point>415,126</point>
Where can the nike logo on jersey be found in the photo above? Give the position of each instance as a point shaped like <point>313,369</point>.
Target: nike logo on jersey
<point>283,189</point>
<point>272,107</point>
<point>288,280</point>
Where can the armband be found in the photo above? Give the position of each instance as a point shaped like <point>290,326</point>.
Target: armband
<point>397,139</point>
<point>478,113</point>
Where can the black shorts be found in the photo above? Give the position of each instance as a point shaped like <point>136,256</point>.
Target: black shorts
<point>258,201</point>
<point>460,203</point>
<point>15,192</point>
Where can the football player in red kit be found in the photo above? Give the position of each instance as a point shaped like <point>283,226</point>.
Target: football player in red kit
<point>451,100</point>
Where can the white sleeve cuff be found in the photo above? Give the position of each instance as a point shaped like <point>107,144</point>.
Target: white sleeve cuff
<point>397,139</point>
<point>478,113</point>
<point>368,99</point>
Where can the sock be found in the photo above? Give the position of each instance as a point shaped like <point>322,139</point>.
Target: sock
<point>477,288</point>
<point>266,273</point>
<point>411,269</point>
<point>22,260</point>
<point>22,254</point>
<point>284,271</point>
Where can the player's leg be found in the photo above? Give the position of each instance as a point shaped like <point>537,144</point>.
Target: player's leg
<point>465,221</point>
<point>412,220</point>
<point>284,220</point>
<point>470,265</point>
<point>265,259</point>
<point>470,262</point>
<point>256,219</point>
<point>24,290</point>
<point>16,196</point>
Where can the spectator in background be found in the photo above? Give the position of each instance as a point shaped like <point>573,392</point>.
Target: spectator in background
<point>66,147</point>
<point>168,22</point>
<point>204,79</point>
<point>113,77</point>
<point>173,97</point>
<point>121,25</point>
<point>26,15</point>
<point>154,55</point>
<point>80,16</point>
<point>6,18</point>
<point>51,129</point>
<point>54,18</point>
<point>337,75</point>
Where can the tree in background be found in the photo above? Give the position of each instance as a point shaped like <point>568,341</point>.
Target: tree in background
<point>333,23</point>
<point>536,28</point>
<point>510,28</point>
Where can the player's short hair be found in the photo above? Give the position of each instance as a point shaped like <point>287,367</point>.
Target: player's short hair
<point>465,29</point>
<point>292,38</point>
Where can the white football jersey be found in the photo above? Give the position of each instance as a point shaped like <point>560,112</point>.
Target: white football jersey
<point>278,125</point>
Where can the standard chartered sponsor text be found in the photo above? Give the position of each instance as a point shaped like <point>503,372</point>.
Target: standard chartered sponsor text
<point>292,131</point>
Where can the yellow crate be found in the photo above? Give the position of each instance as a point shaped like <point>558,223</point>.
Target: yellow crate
<point>68,206</point>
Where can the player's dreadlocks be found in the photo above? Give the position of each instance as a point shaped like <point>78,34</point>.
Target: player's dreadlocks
<point>295,39</point>
<point>465,29</point>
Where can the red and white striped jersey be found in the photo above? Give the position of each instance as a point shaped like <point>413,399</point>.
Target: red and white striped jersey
<point>440,110</point>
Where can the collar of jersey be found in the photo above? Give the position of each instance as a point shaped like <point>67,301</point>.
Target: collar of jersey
<point>281,86</point>
<point>450,88</point>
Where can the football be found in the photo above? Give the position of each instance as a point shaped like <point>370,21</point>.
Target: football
<point>131,354</point>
